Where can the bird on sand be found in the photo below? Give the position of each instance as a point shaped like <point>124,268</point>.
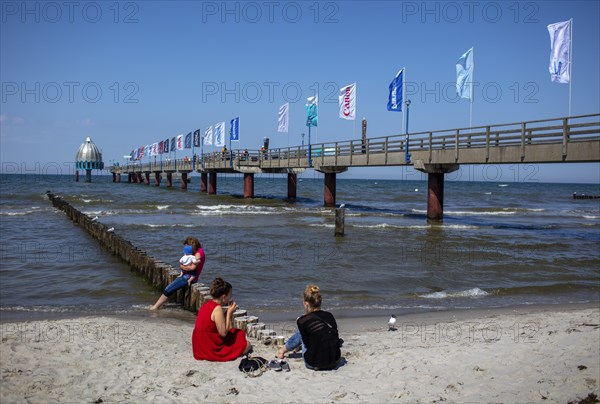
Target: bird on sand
<point>391,323</point>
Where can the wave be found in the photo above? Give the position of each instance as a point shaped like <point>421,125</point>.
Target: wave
<point>33,209</point>
<point>162,207</point>
<point>475,292</point>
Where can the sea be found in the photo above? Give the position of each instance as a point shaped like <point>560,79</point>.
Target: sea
<point>501,244</point>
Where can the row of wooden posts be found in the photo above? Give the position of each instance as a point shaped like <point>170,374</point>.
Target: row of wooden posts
<point>159,273</point>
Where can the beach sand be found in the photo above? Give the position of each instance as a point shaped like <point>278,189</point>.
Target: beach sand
<point>548,355</point>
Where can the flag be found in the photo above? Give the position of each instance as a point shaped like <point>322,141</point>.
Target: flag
<point>284,118</point>
<point>208,136</point>
<point>234,130</point>
<point>166,146</point>
<point>148,150</point>
<point>179,142</point>
<point>347,101</point>
<point>142,151</point>
<point>197,138</point>
<point>395,97</point>
<point>188,141</point>
<point>220,134</point>
<point>160,147</point>
<point>311,111</point>
<point>560,51</point>
<point>464,75</point>
<point>155,149</point>
<point>173,143</point>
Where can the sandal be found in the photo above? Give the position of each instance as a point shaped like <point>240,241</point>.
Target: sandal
<point>274,365</point>
<point>285,366</point>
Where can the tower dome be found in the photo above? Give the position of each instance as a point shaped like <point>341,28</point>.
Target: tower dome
<point>88,156</point>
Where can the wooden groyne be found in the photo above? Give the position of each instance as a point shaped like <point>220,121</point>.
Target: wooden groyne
<point>159,273</point>
<point>584,196</point>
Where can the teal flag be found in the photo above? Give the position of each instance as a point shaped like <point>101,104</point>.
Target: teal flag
<point>311,111</point>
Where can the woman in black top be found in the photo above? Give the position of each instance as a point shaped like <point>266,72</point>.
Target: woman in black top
<point>317,334</point>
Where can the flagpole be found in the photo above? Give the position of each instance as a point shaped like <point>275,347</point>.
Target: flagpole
<point>570,64</point>
<point>403,97</point>
<point>471,95</point>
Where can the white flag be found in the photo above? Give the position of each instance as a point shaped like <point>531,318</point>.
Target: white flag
<point>284,117</point>
<point>155,149</point>
<point>208,136</point>
<point>179,142</point>
<point>464,75</point>
<point>220,134</point>
<point>347,99</point>
<point>560,53</point>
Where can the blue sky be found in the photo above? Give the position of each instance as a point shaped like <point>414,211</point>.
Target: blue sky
<point>132,73</point>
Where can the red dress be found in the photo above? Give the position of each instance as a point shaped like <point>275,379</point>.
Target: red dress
<point>208,344</point>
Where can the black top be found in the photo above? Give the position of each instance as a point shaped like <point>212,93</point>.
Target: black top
<point>320,336</point>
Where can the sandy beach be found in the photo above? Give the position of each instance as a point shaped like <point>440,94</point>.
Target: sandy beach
<point>548,355</point>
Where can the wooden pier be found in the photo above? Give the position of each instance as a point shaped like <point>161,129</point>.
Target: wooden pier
<point>572,139</point>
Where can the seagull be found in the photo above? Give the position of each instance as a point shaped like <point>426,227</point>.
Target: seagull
<point>343,205</point>
<point>94,219</point>
<point>111,230</point>
<point>391,323</point>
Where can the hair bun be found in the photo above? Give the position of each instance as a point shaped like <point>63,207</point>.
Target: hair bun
<point>314,289</point>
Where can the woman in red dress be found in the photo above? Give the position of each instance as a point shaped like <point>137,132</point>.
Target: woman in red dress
<point>213,338</point>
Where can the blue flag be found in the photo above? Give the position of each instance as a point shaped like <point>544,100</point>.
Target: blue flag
<point>166,146</point>
<point>464,75</point>
<point>188,141</point>
<point>311,111</point>
<point>173,145</point>
<point>234,130</point>
<point>395,97</point>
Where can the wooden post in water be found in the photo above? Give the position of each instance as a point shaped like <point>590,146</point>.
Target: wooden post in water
<point>340,214</point>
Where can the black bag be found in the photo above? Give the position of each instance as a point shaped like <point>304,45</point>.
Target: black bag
<point>253,366</point>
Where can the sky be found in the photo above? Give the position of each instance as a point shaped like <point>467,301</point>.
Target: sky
<point>131,73</point>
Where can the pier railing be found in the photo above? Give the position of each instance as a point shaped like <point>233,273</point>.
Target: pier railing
<point>575,138</point>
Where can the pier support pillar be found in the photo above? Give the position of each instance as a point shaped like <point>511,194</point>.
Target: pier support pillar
<point>169,180</point>
<point>184,181</point>
<point>129,178</point>
<point>147,178</point>
<point>140,179</point>
<point>292,185</point>
<point>77,176</point>
<point>330,178</point>
<point>212,183</point>
<point>118,177</point>
<point>248,185</point>
<point>113,174</point>
<point>88,175</point>
<point>203,181</point>
<point>157,179</point>
<point>329,189</point>
<point>435,187</point>
<point>435,197</point>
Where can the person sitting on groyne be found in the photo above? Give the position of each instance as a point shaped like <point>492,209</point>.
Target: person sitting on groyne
<point>214,338</point>
<point>189,275</point>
